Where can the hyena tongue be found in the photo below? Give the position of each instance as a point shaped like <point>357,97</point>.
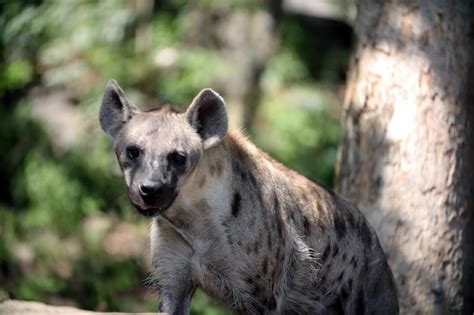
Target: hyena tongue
<point>147,207</point>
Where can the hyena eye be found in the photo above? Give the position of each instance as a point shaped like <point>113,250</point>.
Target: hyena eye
<point>177,158</point>
<point>133,152</point>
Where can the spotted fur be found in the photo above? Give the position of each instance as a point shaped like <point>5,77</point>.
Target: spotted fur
<point>255,236</point>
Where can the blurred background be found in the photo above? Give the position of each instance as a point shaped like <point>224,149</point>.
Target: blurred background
<point>68,234</point>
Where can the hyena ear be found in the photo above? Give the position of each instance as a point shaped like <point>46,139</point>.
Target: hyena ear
<point>208,116</point>
<point>116,109</point>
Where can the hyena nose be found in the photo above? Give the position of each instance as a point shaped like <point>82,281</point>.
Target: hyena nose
<point>149,191</point>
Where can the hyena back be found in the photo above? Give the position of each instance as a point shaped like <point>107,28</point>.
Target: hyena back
<point>254,235</point>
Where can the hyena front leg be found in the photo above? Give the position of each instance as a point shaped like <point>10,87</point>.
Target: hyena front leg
<point>176,301</point>
<point>175,284</point>
<point>171,260</point>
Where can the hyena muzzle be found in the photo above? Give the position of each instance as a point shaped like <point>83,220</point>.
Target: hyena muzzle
<point>254,235</point>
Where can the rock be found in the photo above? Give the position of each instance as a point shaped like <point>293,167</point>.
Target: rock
<point>13,307</point>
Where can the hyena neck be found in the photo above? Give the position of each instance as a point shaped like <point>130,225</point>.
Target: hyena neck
<point>237,166</point>
<point>209,183</point>
<point>217,172</point>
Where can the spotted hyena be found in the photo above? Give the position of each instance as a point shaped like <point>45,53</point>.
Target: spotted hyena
<point>254,235</point>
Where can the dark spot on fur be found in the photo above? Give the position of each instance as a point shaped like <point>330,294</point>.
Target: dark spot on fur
<point>180,224</point>
<point>290,274</point>
<point>341,275</point>
<point>252,178</point>
<point>339,225</point>
<point>226,231</point>
<point>236,166</point>
<point>212,169</point>
<point>269,241</point>
<point>344,256</point>
<point>323,279</point>
<point>315,190</point>
<point>322,225</point>
<point>337,307</point>
<point>306,226</point>
<point>365,234</point>
<point>350,218</point>
<point>271,304</point>
<point>259,309</point>
<point>276,202</point>
<point>219,167</point>
<point>282,255</point>
<point>344,294</point>
<point>248,249</point>
<point>349,284</point>
<point>275,272</point>
<point>279,226</point>
<point>359,303</point>
<point>304,196</point>
<point>241,154</point>
<point>325,254</point>
<point>335,250</point>
<point>256,245</point>
<point>236,204</point>
<point>265,266</point>
<point>243,175</point>
<point>376,286</point>
<point>201,182</point>
<point>365,268</point>
<point>249,280</point>
<point>256,290</point>
<point>353,262</point>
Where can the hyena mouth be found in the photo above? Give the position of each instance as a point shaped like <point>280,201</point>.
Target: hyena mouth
<point>148,211</point>
<point>153,210</point>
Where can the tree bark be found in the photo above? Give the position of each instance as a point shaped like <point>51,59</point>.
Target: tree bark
<point>407,153</point>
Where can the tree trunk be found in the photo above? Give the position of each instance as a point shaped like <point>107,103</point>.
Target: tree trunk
<point>407,153</point>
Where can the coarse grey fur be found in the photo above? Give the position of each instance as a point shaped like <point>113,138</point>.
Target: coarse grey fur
<point>254,235</point>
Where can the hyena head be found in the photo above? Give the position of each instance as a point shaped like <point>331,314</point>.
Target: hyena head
<point>158,150</point>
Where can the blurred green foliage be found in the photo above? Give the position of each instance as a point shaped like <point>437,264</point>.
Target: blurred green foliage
<point>59,205</point>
